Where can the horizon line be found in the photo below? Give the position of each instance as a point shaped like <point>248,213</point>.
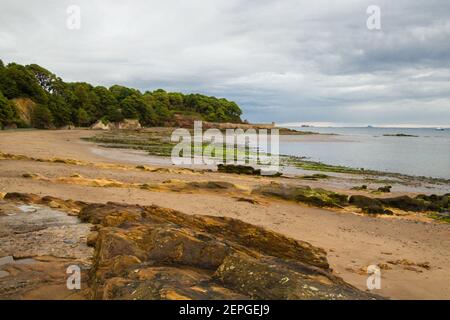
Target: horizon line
<point>359,125</point>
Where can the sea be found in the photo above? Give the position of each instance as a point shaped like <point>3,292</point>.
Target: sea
<point>424,152</point>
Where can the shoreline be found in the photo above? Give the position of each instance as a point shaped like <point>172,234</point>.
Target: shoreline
<point>351,239</point>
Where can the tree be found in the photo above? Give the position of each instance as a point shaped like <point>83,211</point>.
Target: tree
<point>7,111</point>
<point>81,103</point>
<point>61,110</point>
<point>22,83</point>
<point>83,117</point>
<point>130,106</point>
<point>105,101</point>
<point>42,118</point>
<point>159,102</point>
<point>114,114</point>
<point>176,101</point>
<point>121,92</point>
<point>45,78</point>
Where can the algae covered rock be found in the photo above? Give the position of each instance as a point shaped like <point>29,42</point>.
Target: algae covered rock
<point>317,197</point>
<point>367,204</point>
<point>405,203</point>
<point>238,169</point>
<point>272,278</point>
<point>385,189</point>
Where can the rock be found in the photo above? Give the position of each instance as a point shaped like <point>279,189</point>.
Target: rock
<point>69,206</point>
<point>24,108</point>
<point>110,214</point>
<point>37,244</point>
<point>360,188</point>
<point>99,125</point>
<point>158,253</point>
<point>249,200</point>
<point>317,197</point>
<point>435,202</point>
<point>405,203</point>
<point>368,205</point>
<point>126,124</point>
<point>149,252</point>
<point>409,265</point>
<point>238,169</point>
<point>92,239</point>
<point>22,197</point>
<point>315,177</point>
<point>385,189</point>
<point>271,278</point>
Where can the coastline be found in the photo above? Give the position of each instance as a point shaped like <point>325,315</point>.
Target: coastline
<point>352,240</point>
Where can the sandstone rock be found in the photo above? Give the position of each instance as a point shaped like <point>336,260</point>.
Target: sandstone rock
<point>149,252</point>
<point>92,239</point>
<point>22,197</point>
<point>271,278</point>
<point>158,253</point>
<point>126,124</point>
<point>99,125</point>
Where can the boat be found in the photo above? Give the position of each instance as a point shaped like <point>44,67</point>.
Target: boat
<point>440,129</point>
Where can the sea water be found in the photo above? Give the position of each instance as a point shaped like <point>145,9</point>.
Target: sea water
<point>425,153</point>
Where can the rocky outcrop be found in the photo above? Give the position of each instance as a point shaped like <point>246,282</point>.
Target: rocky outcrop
<point>238,169</point>
<point>126,124</point>
<point>100,125</point>
<point>37,245</point>
<point>317,197</point>
<point>385,189</point>
<point>420,203</point>
<point>24,108</point>
<point>157,253</point>
<point>149,252</point>
<point>368,205</point>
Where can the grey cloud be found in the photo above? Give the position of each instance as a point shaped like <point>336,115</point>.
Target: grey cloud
<point>280,60</point>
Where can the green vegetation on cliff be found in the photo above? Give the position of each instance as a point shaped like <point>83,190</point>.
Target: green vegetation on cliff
<point>62,103</point>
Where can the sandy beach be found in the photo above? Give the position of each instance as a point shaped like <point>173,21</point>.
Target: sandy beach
<point>351,240</point>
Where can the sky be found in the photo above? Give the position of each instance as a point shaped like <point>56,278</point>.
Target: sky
<point>280,60</point>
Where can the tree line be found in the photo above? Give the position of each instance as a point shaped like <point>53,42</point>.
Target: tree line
<point>60,103</point>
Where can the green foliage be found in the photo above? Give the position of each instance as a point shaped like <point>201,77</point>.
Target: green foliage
<point>220,110</point>
<point>80,103</point>
<point>7,114</point>
<point>83,117</point>
<point>61,111</point>
<point>17,81</point>
<point>42,118</point>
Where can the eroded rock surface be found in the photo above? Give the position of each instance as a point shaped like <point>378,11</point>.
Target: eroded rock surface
<point>37,244</point>
<point>157,253</point>
<point>149,252</point>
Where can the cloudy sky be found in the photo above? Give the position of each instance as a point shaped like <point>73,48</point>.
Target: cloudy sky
<point>281,60</point>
